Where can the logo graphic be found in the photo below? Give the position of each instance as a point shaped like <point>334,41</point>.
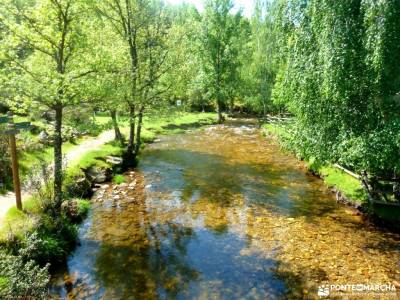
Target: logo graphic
<point>323,291</point>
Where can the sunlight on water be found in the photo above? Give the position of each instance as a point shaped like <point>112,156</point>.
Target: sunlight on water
<point>222,213</point>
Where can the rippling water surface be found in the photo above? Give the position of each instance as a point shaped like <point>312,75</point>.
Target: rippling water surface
<point>222,213</point>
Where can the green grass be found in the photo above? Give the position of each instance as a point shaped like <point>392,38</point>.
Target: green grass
<point>29,159</point>
<point>3,282</point>
<point>16,223</point>
<point>349,186</point>
<point>277,130</point>
<point>23,222</point>
<point>96,157</point>
<point>101,120</point>
<point>119,178</point>
<point>174,123</point>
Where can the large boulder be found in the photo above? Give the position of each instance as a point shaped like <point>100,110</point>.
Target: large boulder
<point>116,163</point>
<point>79,186</point>
<point>98,175</point>
<point>70,208</point>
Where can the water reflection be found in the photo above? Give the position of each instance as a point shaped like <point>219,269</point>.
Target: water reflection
<point>222,214</point>
<point>213,177</point>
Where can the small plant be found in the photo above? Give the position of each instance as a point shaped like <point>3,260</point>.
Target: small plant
<point>119,178</point>
<point>83,208</point>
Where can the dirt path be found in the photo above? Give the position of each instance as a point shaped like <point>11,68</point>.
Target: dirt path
<point>8,200</point>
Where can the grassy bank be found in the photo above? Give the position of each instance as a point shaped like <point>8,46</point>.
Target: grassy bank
<point>32,238</point>
<point>167,123</point>
<point>347,185</point>
<point>164,125</point>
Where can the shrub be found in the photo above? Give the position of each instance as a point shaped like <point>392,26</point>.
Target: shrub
<point>53,239</point>
<point>22,279</point>
<point>83,208</point>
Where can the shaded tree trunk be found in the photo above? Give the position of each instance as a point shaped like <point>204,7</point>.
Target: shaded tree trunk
<point>219,110</point>
<point>396,188</point>
<point>118,135</point>
<point>139,130</point>
<point>132,122</point>
<point>58,176</point>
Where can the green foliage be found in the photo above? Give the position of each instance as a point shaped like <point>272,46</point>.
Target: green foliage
<point>21,278</point>
<point>219,50</point>
<point>52,240</point>
<point>76,185</point>
<point>340,79</point>
<point>260,59</point>
<point>83,208</point>
<point>333,177</point>
<point>119,178</point>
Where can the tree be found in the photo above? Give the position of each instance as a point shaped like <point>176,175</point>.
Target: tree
<point>183,59</point>
<point>340,79</point>
<point>143,26</point>
<point>110,85</point>
<point>44,52</point>
<point>218,51</point>
<point>260,59</point>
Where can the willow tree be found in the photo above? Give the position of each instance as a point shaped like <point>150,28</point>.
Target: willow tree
<point>45,62</point>
<point>340,78</point>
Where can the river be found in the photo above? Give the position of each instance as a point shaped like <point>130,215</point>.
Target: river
<point>222,213</point>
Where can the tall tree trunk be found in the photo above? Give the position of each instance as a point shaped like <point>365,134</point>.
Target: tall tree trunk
<point>219,110</point>
<point>138,132</point>
<point>118,135</point>
<point>396,188</point>
<point>231,106</point>
<point>132,121</point>
<point>58,176</point>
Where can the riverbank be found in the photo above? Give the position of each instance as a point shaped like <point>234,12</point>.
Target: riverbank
<point>347,188</point>
<point>53,239</point>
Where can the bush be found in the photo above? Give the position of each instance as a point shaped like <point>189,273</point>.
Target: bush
<point>83,208</point>
<point>21,278</point>
<point>52,241</point>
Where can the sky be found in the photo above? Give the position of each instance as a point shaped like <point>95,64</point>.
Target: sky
<point>247,5</point>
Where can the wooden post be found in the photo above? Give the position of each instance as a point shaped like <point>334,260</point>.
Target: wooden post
<point>14,160</point>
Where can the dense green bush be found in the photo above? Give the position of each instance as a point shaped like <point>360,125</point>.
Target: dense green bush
<point>22,278</point>
<point>54,239</point>
<point>83,208</point>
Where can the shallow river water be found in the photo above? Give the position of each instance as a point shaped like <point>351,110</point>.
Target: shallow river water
<point>223,213</point>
